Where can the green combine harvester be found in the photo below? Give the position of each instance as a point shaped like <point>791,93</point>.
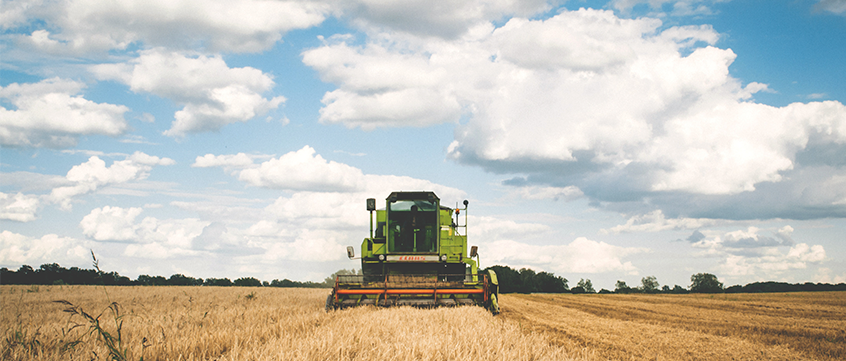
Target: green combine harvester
<point>417,257</point>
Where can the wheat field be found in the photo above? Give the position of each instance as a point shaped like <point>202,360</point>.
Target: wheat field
<point>779,326</point>
<point>243,323</point>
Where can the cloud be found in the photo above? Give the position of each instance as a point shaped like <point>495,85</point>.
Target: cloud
<point>212,93</point>
<point>742,242</point>
<point>751,239</point>
<point>149,238</point>
<point>380,88</point>
<point>111,224</point>
<point>832,6</point>
<point>85,26</point>
<point>826,275</point>
<point>749,254</point>
<point>228,161</point>
<point>17,249</point>
<point>14,13</point>
<point>28,181</point>
<point>337,211</point>
<point>304,170</point>
<point>655,221</point>
<point>581,255</point>
<point>322,212</point>
<point>621,109</point>
<point>315,245</point>
<point>51,114</point>
<point>92,175</point>
<point>774,263</point>
<point>446,19</point>
<point>19,207</point>
<point>679,7</point>
<point>506,242</point>
<point>567,193</point>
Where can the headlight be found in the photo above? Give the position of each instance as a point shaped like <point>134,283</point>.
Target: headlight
<point>381,257</point>
<point>443,257</point>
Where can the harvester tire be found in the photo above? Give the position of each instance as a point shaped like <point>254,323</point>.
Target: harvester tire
<point>330,303</point>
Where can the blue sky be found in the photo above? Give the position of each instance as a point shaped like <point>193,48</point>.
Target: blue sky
<point>607,140</point>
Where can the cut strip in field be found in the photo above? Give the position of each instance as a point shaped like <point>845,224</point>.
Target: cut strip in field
<point>708,327</point>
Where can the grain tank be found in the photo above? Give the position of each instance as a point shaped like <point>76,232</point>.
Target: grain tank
<point>416,256</point>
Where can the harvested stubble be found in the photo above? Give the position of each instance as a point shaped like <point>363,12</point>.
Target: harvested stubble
<point>234,323</point>
<point>791,326</point>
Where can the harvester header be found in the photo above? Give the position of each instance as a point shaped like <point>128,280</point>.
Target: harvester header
<point>417,255</point>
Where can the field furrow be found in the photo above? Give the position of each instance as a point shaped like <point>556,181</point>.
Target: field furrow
<point>683,327</point>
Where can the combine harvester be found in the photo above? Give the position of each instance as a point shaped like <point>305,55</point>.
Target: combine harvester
<point>417,257</point>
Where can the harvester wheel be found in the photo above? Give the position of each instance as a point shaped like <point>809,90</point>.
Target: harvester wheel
<point>494,305</point>
<point>330,304</point>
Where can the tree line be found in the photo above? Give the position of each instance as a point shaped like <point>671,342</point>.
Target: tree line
<point>709,283</point>
<point>53,274</point>
<point>528,281</point>
<point>510,280</point>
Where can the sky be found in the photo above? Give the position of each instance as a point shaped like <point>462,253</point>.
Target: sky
<point>602,140</point>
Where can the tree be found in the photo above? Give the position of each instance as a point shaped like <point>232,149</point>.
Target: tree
<point>586,286</point>
<point>705,283</point>
<point>509,279</point>
<point>549,283</point>
<point>527,281</point>
<point>151,280</point>
<point>247,282</point>
<point>330,281</point>
<point>649,284</point>
<point>224,282</point>
<point>622,287</point>
<point>183,280</point>
<point>679,289</point>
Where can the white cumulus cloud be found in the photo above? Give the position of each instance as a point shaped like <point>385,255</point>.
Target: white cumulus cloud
<point>505,241</point>
<point>752,255</point>
<point>148,238</point>
<point>212,93</point>
<point>616,108</point>
<point>111,224</point>
<point>51,113</point>
<point>93,174</point>
<point>19,207</point>
<point>240,160</point>
<point>581,255</point>
<point>85,26</point>
<point>18,249</point>
<point>446,19</point>
<point>304,170</point>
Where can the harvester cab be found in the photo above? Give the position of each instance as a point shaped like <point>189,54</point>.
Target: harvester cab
<point>416,256</point>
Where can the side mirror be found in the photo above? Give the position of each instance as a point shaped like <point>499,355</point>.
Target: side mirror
<point>474,251</point>
<point>351,252</point>
<point>466,203</point>
<point>371,204</point>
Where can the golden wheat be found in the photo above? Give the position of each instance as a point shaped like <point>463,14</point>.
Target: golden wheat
<point>239,323</point>
<point>235,323</point>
